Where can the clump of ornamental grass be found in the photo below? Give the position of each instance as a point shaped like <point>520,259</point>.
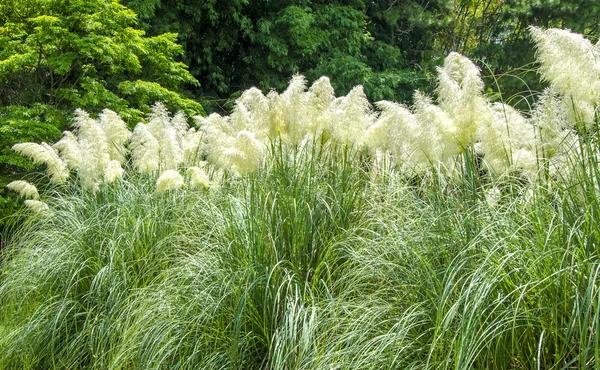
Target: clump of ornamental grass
<point>459,285</point>
<point>252,293</point>
<point>455,233</point>
<point>69,277</point>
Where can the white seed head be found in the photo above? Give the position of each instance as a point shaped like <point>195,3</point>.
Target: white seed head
<point>192,146</point>
<point>116,132</point>
<point>288,120</point>
<point>113,171</point>
<point>460,95</point>
<point>352,115</point>
<point>36,205</point>
<point>95,154</point>
<point>197,177</point>
<point>508,142</point>
<point>25,189</point>
<point>180,123</point>
<point>571,64</point>
<point>251,113</point>
<point>437,129</point>
<point>69,150</point>
<point>169,180</point>
<point>45,154</point>
<point>144,150</point>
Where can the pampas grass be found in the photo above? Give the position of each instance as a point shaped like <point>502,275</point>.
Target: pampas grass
<point>340,244</point>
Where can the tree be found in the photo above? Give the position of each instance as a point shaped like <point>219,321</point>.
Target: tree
<point>59,55</point>
<point>233,45</point>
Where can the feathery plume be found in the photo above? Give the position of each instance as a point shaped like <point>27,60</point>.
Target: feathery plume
<point>571,64</point>
<point>352,114</point>
<point>116,133</point>
<point>237,151</point>
<point>94,149</point>
<point>180,124</point>
<point>168,180</point>
<point>436,130</point>
<point>460,95</point>
<point>197,177</point>
<point>144,150</point>
<point>25,189</point>
<point>251,113</point>
<point>319,98</point>
<point>288,120</point>
<point>398,131</point>
<point>168,136</point>
<point>508,142</point>
<point>69,150</point>
<point>113,171</point>
<point>45,154</point>
<point>36,205</point>
<point>191,144</point>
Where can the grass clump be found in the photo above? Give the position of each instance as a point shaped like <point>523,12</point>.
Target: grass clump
<point>351,241</point>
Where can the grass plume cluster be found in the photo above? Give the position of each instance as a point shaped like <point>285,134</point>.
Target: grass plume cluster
<point>327,254</point>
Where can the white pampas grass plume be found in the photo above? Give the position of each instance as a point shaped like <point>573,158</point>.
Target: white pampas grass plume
<point>352,115</point>
<point>69,149</point>
<point>192,146</point>
<point>236,151</point>
<point>253,152</point>
<point>319,98</point>
<point>160,144</point>
<point>144,150</point>
<point>390,131</point>
<point>462,76</point>
<point>377,136</point>
<point>94,148</point>
<point>508,142</point>
<point>169,180</point>
<point>287,112</point>
<point>197,177</point>
<point>437,129</point>
<point>244,156</point>
<point>321,94</point>
<point>398,131</point>
<point>251,113</point>
<point>550,116</point>
<point>180,124</point>
<point>116,132</point>
<point>113,171</point>
<point>168,136</point>
<point>25,189</point>
<point>219,135</point>
<point>45,154</point>
<point>460,95</point>
<point>36,205</point>
<point>571,64</point>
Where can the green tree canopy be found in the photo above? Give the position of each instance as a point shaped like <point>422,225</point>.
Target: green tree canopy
<point>233,45</point>
<point>59,55</point>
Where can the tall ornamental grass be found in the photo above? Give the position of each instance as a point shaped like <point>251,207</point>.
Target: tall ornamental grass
<point>308,231</point>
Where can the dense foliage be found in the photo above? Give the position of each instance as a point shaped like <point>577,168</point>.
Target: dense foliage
<point>56,56</point>
<point>391,47</point>
<point>231,46</point>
